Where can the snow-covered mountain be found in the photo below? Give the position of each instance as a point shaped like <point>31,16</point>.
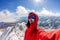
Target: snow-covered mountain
<point>18,32</point>
<point>15,33</point>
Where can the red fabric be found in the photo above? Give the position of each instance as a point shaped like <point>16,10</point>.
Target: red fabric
<point>36,33</point>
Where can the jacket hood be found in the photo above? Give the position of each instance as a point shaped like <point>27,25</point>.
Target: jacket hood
<point>34,25</point>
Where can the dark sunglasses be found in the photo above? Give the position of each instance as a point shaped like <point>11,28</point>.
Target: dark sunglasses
<point>33,17</point>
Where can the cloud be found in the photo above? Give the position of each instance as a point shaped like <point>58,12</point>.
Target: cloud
<point>21,11</point>
<point>45,12</point>
<point>6,16</point>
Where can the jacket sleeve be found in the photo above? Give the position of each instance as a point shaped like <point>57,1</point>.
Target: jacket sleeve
<point>53,35</point>
<point>50,35</point>
<point>57,31</point>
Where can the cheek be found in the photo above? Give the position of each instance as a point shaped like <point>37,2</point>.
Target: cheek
<point>31,20</point>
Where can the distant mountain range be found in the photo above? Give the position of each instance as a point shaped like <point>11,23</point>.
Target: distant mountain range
<point>50,21</point>
<point>44,21</point>
<point>6,24</point>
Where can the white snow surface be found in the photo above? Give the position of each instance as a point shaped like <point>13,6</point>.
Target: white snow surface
<point>17,33</point>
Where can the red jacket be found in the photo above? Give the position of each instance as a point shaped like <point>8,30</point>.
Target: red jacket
<point>36,33</point>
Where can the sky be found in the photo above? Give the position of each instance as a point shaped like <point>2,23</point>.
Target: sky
<point>11,10</point>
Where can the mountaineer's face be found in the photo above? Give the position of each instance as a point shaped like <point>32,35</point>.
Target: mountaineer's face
<point>31,19</point>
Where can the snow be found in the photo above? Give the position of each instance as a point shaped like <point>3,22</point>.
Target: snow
<point>17,33</point>
<point>1,31</point>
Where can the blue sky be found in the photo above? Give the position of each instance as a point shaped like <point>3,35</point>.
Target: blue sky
<point>53,5</point>
<point>12,10</point>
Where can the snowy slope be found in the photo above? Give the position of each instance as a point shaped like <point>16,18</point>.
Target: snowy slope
<point>17,33</point>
